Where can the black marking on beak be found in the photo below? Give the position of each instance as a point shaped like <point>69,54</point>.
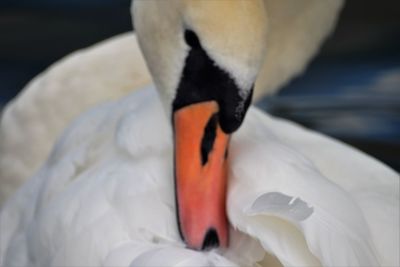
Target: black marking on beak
<point>233,108</point>
<point>211,240</point>
<point>203,80</point>
<point>207,143</point>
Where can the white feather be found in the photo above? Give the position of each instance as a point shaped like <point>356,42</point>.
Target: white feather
<point>32,122</point>
<point>105,198</point>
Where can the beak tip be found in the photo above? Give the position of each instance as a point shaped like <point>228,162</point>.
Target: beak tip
<point>210,240</point>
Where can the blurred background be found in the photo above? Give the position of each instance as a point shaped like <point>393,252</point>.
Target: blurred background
<point>351,91</point>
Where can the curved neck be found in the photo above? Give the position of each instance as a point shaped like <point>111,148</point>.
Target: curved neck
<point>296,31</point>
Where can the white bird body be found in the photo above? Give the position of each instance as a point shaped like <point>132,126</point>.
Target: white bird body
<point>32,122</point>
<point>105,197</point>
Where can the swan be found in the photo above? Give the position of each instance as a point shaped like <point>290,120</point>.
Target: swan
<point>32,122</point>
<point>105,198</point>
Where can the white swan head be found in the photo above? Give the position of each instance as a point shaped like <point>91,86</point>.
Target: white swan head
<point>204,57</point>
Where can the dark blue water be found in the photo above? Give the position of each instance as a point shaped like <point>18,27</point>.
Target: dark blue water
<point>357,103</point>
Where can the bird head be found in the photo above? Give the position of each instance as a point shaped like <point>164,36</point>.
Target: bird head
<point>204,57</point>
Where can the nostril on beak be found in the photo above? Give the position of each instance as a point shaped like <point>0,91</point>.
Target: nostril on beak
<point>211,240</point>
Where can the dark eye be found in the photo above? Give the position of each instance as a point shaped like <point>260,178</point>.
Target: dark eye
<point>191,39</point>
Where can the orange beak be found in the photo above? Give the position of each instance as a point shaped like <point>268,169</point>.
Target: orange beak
<point>200,175</point>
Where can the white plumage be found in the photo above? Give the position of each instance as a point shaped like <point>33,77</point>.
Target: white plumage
<point>105,197</point>
<point>31,123</point>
